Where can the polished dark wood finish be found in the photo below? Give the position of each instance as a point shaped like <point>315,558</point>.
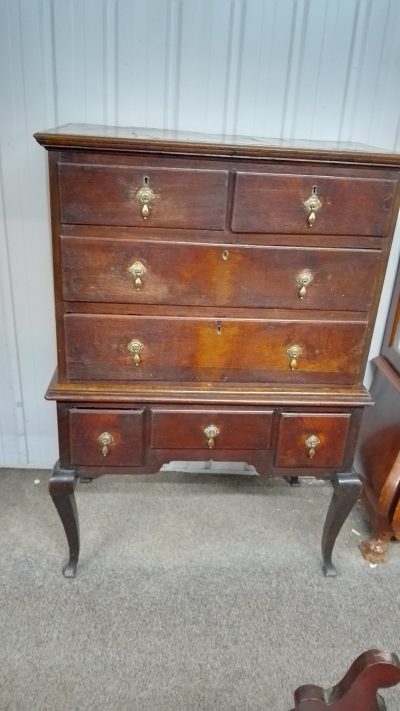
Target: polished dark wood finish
<point>105,195</point>
<point>184,428</point>
<point>62,491</point>
<point>271,203</point>
<point>194,349</point>
<point>192,274</point>
<point>378,454</point>
<point>358,690</point>
<point>294,430</point>
<point>346,491</point>
<point>219,305</point>
<point>178,142</point>
<point>378,460</point>
<point>125,427</point>
<point>391,341</point>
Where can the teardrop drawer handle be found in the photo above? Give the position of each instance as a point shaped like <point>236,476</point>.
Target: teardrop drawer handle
<point>303,280</point>
<point>138,270</point>
<point>294,352</point>
<point>312,443</point>
<point>211,432</point>
<point>312,205</point>
<point>145,197</point>
<point>135,347</point>
<point>105,440</point>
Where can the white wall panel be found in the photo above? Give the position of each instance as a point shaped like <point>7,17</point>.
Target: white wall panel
<point>292,68</point>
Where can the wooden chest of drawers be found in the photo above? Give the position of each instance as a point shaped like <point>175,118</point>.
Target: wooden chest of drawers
<point>214,299</point>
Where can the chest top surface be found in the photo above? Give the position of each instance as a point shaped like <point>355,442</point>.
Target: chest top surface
<point>92,136</point>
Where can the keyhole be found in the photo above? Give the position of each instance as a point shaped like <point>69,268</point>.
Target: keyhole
<point>314,190</point>
<point>225,255</point>
<point>146,180</point>
<point>219,328</point>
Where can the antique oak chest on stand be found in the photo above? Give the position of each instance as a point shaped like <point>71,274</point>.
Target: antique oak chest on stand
<point>215,298</point>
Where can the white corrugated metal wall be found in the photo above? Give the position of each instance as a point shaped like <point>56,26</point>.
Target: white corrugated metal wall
<point>323,69</point>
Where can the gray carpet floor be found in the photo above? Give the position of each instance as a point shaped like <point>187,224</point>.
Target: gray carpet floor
<point>194,591</point>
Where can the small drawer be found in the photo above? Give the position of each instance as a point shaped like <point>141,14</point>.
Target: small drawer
<point>106,437</point>
<point>148,272</point>
<point>139,196</point>
<point>311,440</point>
<point>210,429</point>
<point>336,205</point>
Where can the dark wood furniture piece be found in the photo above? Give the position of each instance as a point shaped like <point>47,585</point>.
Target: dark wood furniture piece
<point>357,691</point>
<point>378,452</point>
<point>214,298</point>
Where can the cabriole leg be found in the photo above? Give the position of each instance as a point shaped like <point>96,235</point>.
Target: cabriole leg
<point>61,487</point>
<point>346,490</point>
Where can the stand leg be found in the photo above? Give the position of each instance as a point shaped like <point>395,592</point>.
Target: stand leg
<point>346,490</point>
<point>292,480</point>
<point>61,488</point>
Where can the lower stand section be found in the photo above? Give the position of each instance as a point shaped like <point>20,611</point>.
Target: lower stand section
<point>346,490</point>
<point>62,487</point>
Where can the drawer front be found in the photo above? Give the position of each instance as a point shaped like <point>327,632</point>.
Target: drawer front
<point>137,271</point>
<point>108,195</point>
<point>108,347</point>
<point>210,429</point>
<point>275,204</point>
<point>311,440</point>
<point>106,437</point>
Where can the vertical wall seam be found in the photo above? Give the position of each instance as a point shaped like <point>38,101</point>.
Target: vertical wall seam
<point>318,77</point>
<point>54,60</point>
<point>379,72</point>
<point>178,64</point>
<point>116,60</point>
<point>300,62</point>
<point>349,69</point>
<point>84,57</point>
<point>396,142</point>
<point>18,370</point>
<point>228,67</point>
<point>105,61</point>
<point>288,70</point>
<point>167,67</point>
<point>239,66</point>
<point>361,61</point>
<point>17,383</point>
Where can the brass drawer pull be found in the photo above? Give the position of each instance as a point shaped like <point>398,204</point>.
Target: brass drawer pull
<point>312,205</point>
<point>135,347</point>
<point>304,279</point>
<point>138,270</point>
<point>294,352</point>
<point>211,432</point>
<point>145,197</point>
<point>312,443</point>
<point>105,440</point>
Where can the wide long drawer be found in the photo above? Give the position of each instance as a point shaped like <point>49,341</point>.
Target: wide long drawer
<point>108,347</point>
<point>132,195</point>
<point>144,272</point>
<point>324,204</point>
